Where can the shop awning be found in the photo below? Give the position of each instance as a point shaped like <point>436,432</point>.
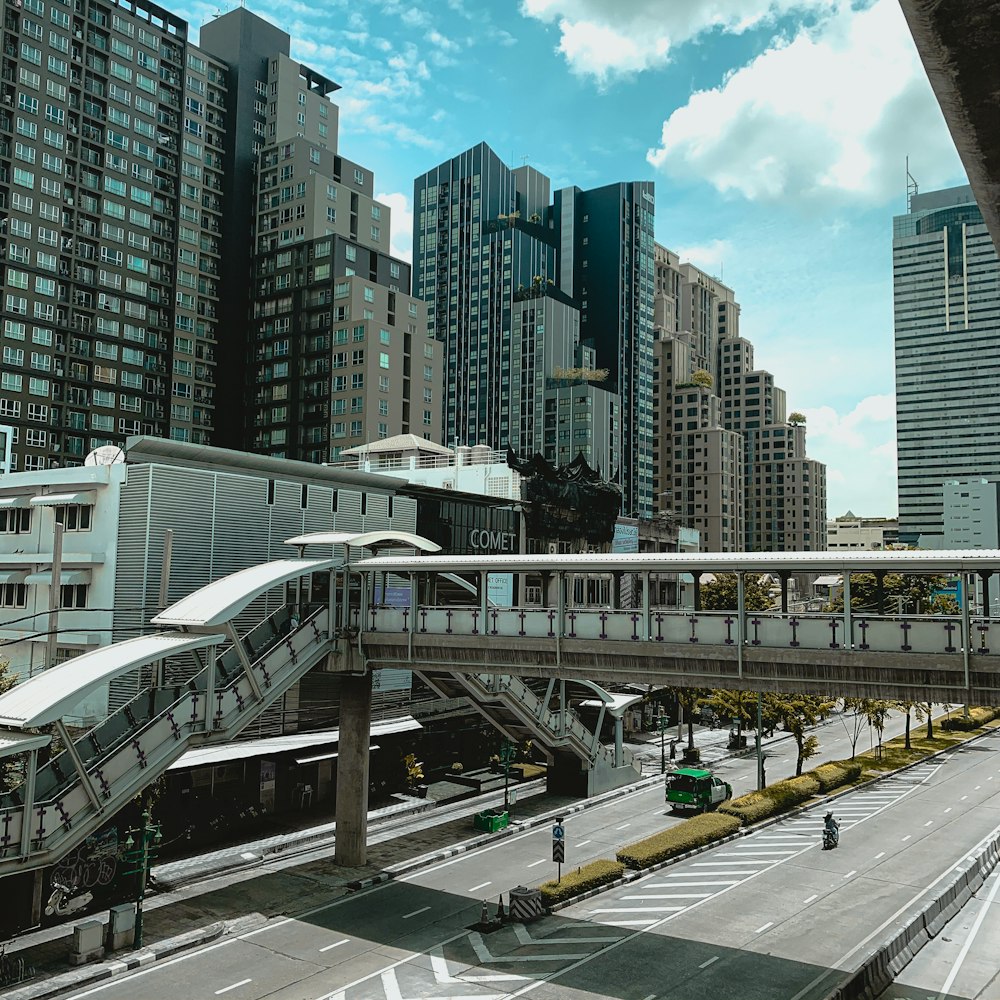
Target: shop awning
<point>67,578</point>
<point>327,756</point>
<point>8,503</point>
<point>828,581</point>
<point>13,575</point>
<point>63,500</point>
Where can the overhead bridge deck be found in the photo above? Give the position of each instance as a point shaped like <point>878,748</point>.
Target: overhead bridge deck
<point>855,652</point>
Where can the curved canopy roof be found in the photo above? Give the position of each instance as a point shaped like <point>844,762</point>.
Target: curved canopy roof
<point>841,561</point>
<point>218,602</point>
<point>13,743</point>
<point>51,694</point>
<point>367,539</point>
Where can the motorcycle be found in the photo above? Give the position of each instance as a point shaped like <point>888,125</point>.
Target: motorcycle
<point>66,899</point>
<point>831,835</point>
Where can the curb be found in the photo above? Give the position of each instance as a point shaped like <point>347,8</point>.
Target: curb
<point>86,975</point>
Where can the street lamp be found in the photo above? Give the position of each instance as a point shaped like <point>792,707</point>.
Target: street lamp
<point>140,848</point>
<point>507,752</point>
<point>664,722</point>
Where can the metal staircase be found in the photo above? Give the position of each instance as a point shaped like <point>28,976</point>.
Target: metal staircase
<point>521,713</point>
<point>73,794</point>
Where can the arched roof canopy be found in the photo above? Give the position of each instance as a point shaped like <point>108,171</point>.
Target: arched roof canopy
<point>367,540</point>
<point>48,696</point>
<point>219,602</point>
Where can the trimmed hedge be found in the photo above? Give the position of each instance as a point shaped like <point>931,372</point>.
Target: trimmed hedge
<point>977,717</point>
<point>694,832</point>
<point>588,876</point>
<point>836,773</point>
<point>776,798</point>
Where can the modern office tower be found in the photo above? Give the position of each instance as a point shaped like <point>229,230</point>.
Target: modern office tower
<point>947,313</point>
<point>531,300</point>
<point>479,240</point>
<point>606,264</point>
<point>728,462</point>
<point>111,129</point>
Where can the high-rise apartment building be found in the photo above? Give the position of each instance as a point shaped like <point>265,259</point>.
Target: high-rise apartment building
<point>532,298</point>
<point>947,313</point>
<point>129,157</point>
<point>728,461</point>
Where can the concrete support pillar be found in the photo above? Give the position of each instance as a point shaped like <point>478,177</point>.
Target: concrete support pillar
<point>985,577</point>
<point>783,575</point>
<point>880,593</point>
<point>697,589</point>
<point>619,740</point>
<point>351,848</point>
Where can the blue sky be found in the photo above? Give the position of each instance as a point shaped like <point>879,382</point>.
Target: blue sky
<point>776,132</point>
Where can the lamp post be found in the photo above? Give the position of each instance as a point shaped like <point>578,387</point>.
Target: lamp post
<point>664,721</point>
<point>140,849</point>
<point>507,752</point>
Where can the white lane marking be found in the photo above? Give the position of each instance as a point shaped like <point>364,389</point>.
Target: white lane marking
<point>728,871</point>
<point>907,837</point>
<point>631,923</point>
<point>976,789</point>
<point>534,863</point>
<point>583,843</point>
<point>684,885</point>
<point>757,853</point>
<point>242,982</point>
<point>881,854</point>
<point>786,760</point>
<point>423,909</point>
<point>670,895</point>
<point>928,823</point>
<point>705,965</point>
<point>974,930</point>
<point>853,871</point>
<point>763,928</point>
<point>623,826</point>
<point>652,996</point>
<point>815,895</point>
<point>641,909</point>
<point>963,798</point>
<point>336,944</point>
<point>719,864</point>
<point>948,810</point>
<point>521,933</point>
<point>476,888</point>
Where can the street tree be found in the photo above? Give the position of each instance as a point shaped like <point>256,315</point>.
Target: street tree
<point>690,700</point>
<point>797,713</point>
<point>915,594</point>
<point>914,707</point>
<point>721,594</point>
<point>876,711</point>
<point>858,721</point>
<point>739,705</point>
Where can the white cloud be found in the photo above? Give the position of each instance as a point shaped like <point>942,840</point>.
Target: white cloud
<point>828,115</point>
<point>401,233</point>
<point>859,449</point>
<point>707,256</point>
<point>604,37</point>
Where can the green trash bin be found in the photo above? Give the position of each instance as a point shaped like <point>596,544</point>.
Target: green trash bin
<point>490,822</point>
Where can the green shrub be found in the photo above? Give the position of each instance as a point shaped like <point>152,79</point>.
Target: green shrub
<point>977,717</point>
<point>776,798</point>
<point>836,773</point>
<point>589,876</point>
<point>686,836</point>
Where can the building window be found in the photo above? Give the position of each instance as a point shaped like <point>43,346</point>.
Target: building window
<point>13,595</point>
<point>74,517</point>
<point>383,360</point>
<point>15,521</point>
<point>73,596</point>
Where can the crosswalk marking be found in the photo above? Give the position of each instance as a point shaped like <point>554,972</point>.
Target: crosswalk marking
<point>671,895</point>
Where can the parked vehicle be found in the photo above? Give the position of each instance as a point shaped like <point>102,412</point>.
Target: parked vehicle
<point>692,789</point>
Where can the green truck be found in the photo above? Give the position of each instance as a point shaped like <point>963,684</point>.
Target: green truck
<point>695,790</point>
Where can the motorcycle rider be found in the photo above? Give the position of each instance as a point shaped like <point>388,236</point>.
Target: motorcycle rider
<point>831,830</point>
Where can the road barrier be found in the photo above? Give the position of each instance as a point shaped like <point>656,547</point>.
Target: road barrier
<point>881,966</point>
<point>525,904</point>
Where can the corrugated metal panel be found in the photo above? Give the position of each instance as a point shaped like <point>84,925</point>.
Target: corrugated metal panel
<point>348,516</point>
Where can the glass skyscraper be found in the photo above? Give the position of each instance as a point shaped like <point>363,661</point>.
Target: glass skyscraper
<point>946,282</point>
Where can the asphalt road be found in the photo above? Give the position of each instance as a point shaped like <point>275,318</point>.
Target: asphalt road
<point>770,915</point>
<point>961,962</point>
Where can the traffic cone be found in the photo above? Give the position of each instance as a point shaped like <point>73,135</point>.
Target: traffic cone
<point>501,913</point>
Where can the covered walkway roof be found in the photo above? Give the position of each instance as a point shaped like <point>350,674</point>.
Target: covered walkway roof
<point>219,602</point>
<point>841,561</point>
<point>201,756</point>
<point>366,540</point>
<point>48,696</point>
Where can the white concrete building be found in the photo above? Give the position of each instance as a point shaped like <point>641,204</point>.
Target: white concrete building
<point>852,532</point>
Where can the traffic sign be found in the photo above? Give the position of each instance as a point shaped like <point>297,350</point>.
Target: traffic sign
<point>559,851</point>
<point>558,832</point>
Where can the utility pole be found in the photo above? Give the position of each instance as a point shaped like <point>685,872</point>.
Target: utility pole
<point>760,756</point>
<point>140,849</point>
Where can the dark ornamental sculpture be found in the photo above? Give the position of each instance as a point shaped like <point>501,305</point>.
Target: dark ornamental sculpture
<point>568,503</point>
